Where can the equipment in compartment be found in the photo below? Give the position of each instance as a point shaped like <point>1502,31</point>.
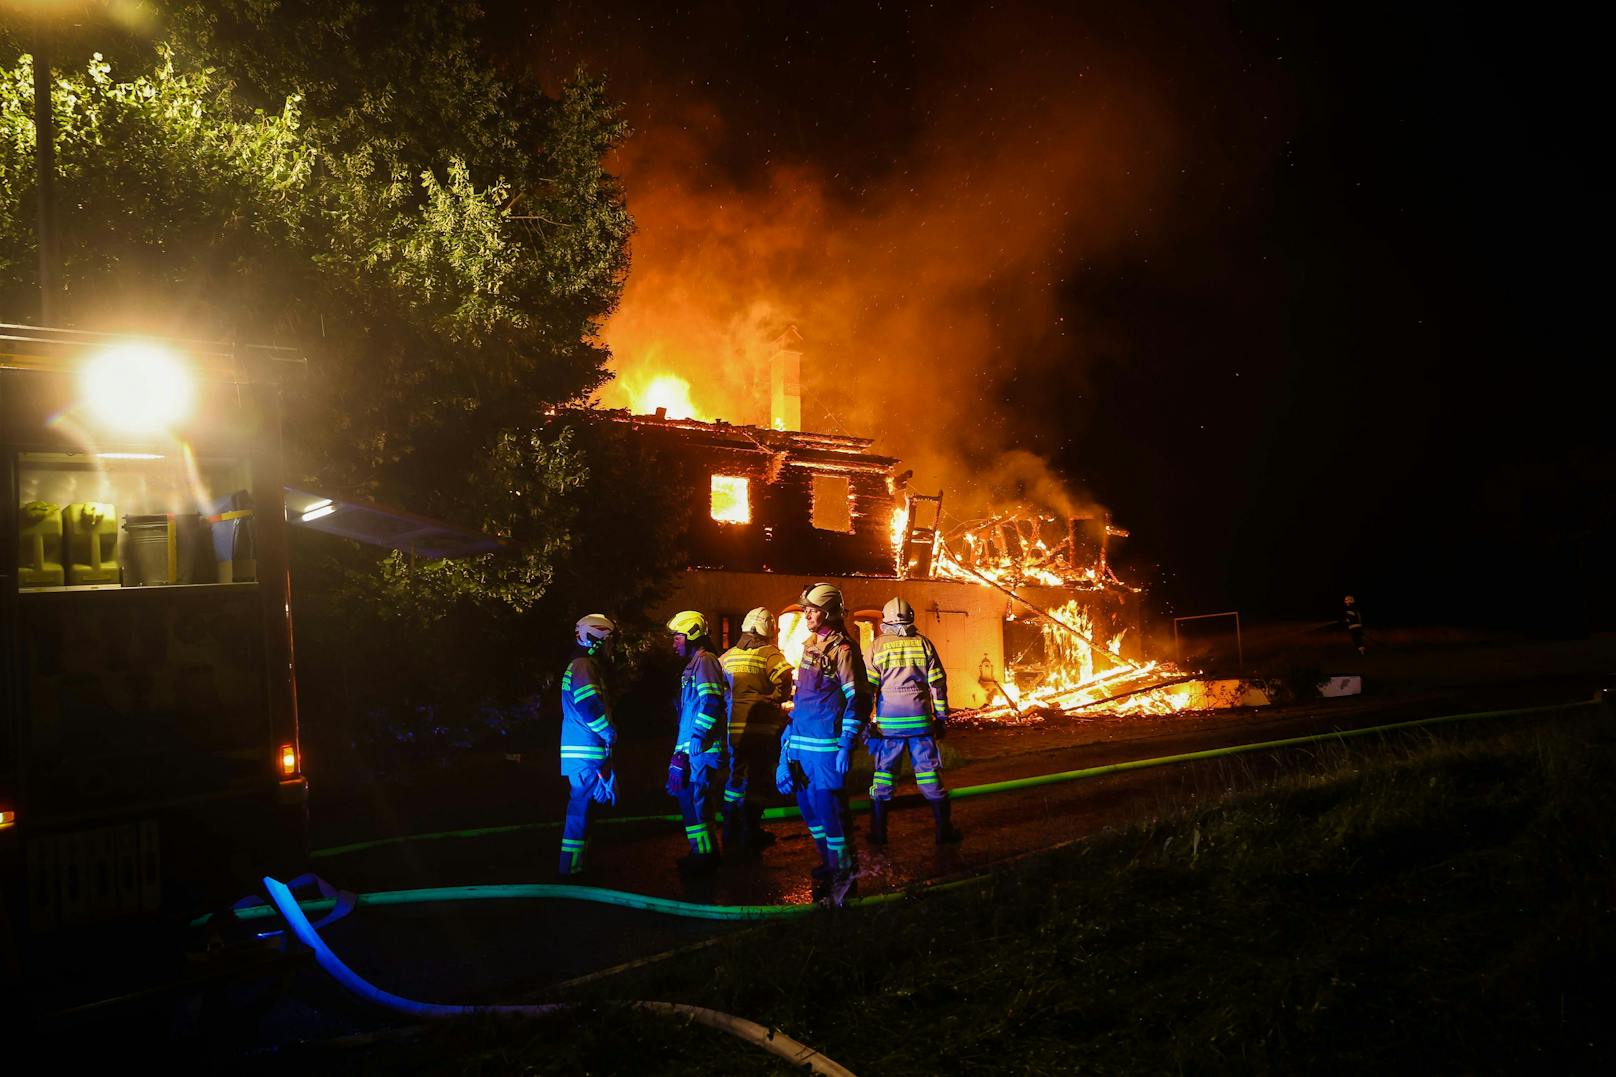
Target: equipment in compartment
<point>166,548</point>
<point>91,532</point>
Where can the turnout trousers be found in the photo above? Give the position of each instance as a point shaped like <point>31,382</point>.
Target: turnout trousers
<point>754,753</point>
<point>575,830</point>
<point>822,811</point>
<point>695,804</point>
<point>887,754</point>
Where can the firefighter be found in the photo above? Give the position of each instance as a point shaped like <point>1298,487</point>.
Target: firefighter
<point>830,707</point>
<point>587,735</point>
<point>1354,622</point>
<point>911,712</point>
<point>758,677</point>
<point>699,749</point>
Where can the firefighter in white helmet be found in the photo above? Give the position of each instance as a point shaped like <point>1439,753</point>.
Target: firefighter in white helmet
<point>911,710</point>
<point>830,706</point>
<point>698,750</point>
<point>758,677</point>
<point>587,735</point>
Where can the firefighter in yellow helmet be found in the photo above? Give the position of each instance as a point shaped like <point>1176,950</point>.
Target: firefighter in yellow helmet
<point>911,708</point>
<point>758,677</point>
<point>702,735</point>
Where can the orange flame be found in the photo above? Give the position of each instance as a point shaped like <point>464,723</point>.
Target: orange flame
<point>731,501</point>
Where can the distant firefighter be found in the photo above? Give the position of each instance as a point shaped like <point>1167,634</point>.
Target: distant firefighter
<point>831,704</point>
<point>911,713</point>
<point>587,735</point>
<point>759,681</point>
<point>1354,622</point>
<point>699,748</point>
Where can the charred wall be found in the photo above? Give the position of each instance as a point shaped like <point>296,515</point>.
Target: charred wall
<point>780,470</point>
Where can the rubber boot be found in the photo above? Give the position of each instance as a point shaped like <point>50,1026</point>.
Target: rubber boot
<point>878,821</point>
<point>756,835</point>
<point>698,864</point>
<point>734,836</point>
<point>819,883</point>
<point>941,809</point>
<point>843,888</point>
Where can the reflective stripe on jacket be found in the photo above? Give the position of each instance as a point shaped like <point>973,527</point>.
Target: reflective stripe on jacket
<point>701,706</point>
<point>587,732</point>
<point>833,698</point>
<point>759,680</point>
<point>910,685</point>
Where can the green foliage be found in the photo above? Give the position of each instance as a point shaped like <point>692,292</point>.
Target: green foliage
<point>360,179</point>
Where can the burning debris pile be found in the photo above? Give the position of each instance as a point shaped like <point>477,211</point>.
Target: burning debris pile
<point>1058,660</point>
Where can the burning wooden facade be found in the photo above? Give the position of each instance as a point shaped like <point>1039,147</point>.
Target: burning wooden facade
<point>787,508</point>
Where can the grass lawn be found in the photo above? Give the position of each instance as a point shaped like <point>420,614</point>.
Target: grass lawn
<point>1429,904</point>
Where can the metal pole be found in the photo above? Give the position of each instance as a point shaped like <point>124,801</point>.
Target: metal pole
<point>45,164</point>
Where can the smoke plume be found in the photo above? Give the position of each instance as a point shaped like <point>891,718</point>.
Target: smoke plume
<point>929,296</point>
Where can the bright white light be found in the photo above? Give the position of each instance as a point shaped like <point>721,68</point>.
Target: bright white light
<point>138,387</point>
<point>318,512</point>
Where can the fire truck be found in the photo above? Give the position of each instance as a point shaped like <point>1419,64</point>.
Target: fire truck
<point>149,756</point>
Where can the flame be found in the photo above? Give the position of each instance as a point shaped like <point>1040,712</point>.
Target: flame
<point>731,502</point>
<point>793,634</point>
<point>668,391</point>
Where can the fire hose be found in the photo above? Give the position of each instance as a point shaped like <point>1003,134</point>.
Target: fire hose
<point>990,788</point>
<point>295,915</point>
<point>771,1040</point>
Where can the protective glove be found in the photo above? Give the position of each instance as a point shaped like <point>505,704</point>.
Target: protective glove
<point>782,777</point>
<point>605,791</point>
<point>678,773</point>
<point>844,759</point>
<point>939,725</point>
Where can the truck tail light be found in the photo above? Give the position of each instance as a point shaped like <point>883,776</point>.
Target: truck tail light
<point>288,760</point>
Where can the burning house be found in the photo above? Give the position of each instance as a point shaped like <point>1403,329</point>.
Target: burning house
<point>1023,607</point>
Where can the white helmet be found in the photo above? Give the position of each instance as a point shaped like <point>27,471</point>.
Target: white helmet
<point>897,612</point>
<point>825,597</point>
<point>594,629</point>
<point>761,621</point>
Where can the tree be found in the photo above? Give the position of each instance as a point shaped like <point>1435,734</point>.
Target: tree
<point>357,179</point>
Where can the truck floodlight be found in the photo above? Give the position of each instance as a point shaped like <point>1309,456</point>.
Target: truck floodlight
<point>318,511</point>
<point>138,387</point>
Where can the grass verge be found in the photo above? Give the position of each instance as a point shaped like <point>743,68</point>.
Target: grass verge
<point>1430,904</point>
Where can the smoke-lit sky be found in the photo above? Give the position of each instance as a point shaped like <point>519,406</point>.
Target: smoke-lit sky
<point>1293,293</point>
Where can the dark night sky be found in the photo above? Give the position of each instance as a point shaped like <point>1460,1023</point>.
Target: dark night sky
<point>1344,343</point>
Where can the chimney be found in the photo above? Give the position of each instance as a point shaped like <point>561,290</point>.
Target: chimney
<point>785,381</point>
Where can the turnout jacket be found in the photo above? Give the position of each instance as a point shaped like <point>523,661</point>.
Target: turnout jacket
<point>587,732</point>
<point>910,686</point>
<point>759,680</point>
<point>701,709</point>
<point>832,701</point>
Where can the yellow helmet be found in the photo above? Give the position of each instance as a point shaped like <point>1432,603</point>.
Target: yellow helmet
<point>824,596</point>
<point>760,621</point>
<point>688,624</point>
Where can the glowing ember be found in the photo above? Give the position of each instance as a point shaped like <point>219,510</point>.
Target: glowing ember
<point>731,505</point>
